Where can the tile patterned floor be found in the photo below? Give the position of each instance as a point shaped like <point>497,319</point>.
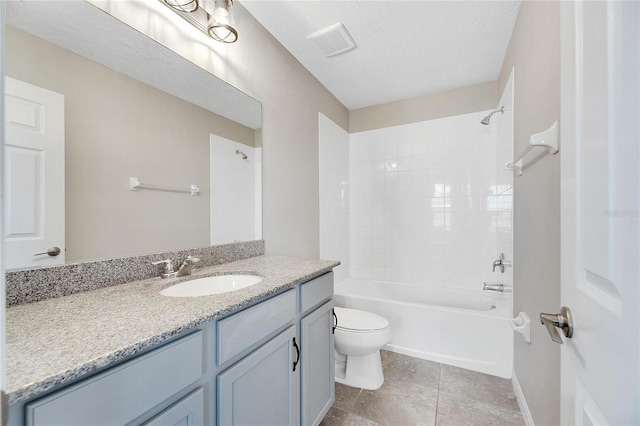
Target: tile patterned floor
<point>419,392</point>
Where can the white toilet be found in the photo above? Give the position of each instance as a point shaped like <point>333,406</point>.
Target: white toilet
<point>359,336</point>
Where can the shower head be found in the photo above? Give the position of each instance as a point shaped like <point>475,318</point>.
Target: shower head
<point>486,120</point>
<point>242,154</point>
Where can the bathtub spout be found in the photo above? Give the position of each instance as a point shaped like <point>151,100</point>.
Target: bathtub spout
<point>501,288</point>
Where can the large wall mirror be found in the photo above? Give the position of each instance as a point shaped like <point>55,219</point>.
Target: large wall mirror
<point>131,108</point>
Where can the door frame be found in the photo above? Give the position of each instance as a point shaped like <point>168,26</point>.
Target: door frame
<point>4,406</point>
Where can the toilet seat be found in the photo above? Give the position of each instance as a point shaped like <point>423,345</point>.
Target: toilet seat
<point>354,320</point>
<point>359,336</point>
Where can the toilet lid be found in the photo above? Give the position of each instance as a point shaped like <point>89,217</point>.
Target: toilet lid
<point>356,320</point>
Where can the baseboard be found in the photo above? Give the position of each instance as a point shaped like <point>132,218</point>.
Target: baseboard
<point>522,403</point>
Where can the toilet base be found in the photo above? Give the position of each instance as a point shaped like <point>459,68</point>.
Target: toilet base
<point>364,371</point>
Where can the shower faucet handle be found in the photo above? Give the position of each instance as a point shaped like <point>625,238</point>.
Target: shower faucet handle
<point>501,263</point>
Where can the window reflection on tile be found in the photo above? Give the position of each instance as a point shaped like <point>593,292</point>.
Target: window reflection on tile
<point>424,186</point>
<point>437,190</point>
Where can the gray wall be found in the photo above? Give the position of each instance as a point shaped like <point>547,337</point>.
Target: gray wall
<point>534,51</point>
<point>291,99</point>
<point>117,127</point>
<point>464,100</point>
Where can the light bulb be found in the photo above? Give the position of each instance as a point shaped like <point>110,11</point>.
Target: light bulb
<point>221,23</point>
<point>221,12</point>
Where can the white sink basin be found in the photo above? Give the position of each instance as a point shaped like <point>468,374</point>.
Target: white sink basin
<point>211,285</point>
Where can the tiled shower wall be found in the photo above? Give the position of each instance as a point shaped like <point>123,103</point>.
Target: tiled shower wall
<point>334,195</point>
<point>431,202</point>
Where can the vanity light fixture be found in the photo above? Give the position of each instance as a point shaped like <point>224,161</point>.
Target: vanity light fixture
<point>221,23</point>
<point>182,5</point>
<point>213,17</point>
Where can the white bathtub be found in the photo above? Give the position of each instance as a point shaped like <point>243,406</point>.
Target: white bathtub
<point>458,327</point>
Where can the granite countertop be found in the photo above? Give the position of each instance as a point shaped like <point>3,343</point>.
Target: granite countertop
<point>55,341</point>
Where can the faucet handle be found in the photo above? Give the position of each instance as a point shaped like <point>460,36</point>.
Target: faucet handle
<point>168,264</point>
<point>501,263</point>
<point>187,265</point>
<point>168,268</point>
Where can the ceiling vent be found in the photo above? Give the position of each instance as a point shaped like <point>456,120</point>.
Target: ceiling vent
<point>333,40</point>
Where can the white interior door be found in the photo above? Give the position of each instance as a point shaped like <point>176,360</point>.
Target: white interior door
<point>33,176</point>
<point>600,211</point>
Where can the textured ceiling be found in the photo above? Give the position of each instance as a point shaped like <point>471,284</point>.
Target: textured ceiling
<point>405,48</point>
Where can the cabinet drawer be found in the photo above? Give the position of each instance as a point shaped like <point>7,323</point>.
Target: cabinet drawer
<point>242,330</point>
<point>316,291</point>
<point>125,392</point>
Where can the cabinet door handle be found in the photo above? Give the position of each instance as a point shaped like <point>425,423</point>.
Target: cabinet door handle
<point>335,324</point>
<point>295,345</point>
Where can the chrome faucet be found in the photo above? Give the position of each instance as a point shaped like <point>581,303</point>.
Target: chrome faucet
<point>183,271</point>
<point>500,263</point>
<point>168,271</point>
<point>187,266</point>
<point>501,288</point>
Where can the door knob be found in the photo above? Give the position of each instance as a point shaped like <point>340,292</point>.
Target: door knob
<point>563,320</point>
<point>52,251</point>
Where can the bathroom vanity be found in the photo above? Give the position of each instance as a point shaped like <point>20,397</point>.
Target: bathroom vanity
<point>127,355</point>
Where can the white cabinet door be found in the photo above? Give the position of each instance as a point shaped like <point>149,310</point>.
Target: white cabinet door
<point>261,388</point>
<point>33,175</point>
<point>317,382</point>
<point>600,211</point>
